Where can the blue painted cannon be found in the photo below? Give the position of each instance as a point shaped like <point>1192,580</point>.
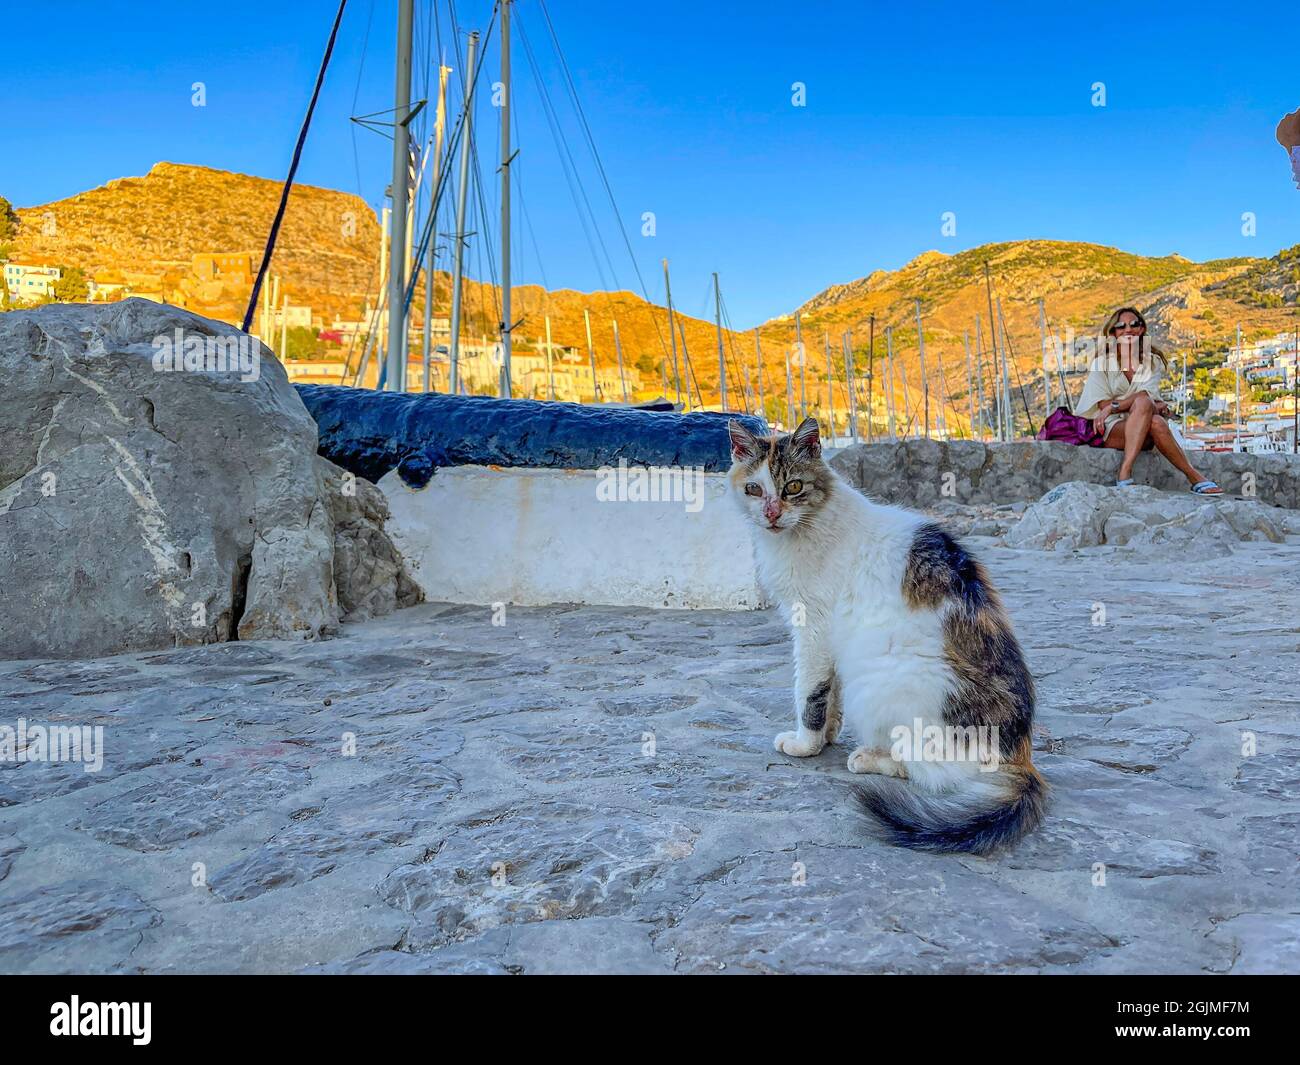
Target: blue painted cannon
<point>370,433</point>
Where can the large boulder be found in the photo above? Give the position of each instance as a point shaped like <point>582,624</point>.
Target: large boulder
<point>158,486</point>
<point>1078,514</point>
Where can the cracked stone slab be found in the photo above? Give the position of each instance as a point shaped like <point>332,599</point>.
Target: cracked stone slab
<point>10,848</point>
<point>664,773</point>
<point>367,820</point>
<point>550,861</point>
<point>1262,943</point>
<point>467,749</point>
<point>1274,775</point>
<point>1067,844</point>
<point>596,945</point>
<point>193,801</point>
<point>829,910</point>
<point>56,930</point>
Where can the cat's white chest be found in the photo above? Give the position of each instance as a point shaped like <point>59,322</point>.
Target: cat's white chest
<point>889,657</point>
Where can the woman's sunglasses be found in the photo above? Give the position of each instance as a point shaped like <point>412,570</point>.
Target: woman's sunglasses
<point>1128,325</point>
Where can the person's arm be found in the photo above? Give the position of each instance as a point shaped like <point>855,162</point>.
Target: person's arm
<point>1105,409</point>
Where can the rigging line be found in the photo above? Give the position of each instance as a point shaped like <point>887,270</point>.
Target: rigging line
<point>567,164</point>
<point>445,167</point>
<point>947,398</point>
<point>293,169</point>
<point>361,66</point>
<point>1020,387</point>
<point>729,348</point>
<point>690,368</point>
<point>517,188</point>
<point>352,341</point>
<point>528,221</point>
<point>545,91</point>
<point>1006,336</point>
<point>729,344</point>
<point>484,227</point>
<point>604,177</point>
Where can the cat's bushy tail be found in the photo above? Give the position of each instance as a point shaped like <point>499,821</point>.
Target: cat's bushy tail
<point>976,819</point>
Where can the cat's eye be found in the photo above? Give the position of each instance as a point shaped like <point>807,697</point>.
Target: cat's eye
<point>793,488</point>
<point>753,489</point>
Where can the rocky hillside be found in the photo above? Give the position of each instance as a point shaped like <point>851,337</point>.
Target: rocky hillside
<point>153,225</point>
<point>1080,283</point>
<point>328,246</point>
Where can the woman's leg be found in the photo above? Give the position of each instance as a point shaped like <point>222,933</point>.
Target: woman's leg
<point>1135,428</point>
<point>1168,446</point>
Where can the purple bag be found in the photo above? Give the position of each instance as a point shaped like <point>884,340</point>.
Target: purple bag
<point>1070,429</point>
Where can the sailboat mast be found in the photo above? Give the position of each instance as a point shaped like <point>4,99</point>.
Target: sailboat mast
<point>507,322</point>
<point>722,364</point>
<point>1042,342</point>
<point>830,386</point>
<point>1010,419</point>
<point>871,373</point>
<point>398,248</point>
<point>803,364</point>
<point>550,372</point>
<point>789,394</point>
<point>618,350</point>
<point>925,380</point>
<point>889,380</point>
<point>970,383</point>
<point>849,374</point>
<point>672,335</point>
<point>591,357</point>
<point>993,335</point>
<point>1236,442</point>
<point>458,262</point>
<point>439,127</point>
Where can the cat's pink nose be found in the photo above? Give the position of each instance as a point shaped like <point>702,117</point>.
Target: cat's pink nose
<point>771,509</point>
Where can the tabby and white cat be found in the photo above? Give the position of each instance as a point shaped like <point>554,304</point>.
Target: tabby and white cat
<point>895,624</point>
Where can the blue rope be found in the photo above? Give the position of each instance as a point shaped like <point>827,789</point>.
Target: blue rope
<point>293,169</point>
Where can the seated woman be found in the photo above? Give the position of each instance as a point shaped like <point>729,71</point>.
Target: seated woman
<point>1122,397</point>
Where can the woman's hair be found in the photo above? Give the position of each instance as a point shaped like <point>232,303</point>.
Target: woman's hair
<point>1108,331</point>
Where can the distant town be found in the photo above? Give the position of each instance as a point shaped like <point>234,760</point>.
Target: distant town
<point>1242,398</point>
<point>315,349</point>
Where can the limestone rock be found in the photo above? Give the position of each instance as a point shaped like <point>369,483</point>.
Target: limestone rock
<point>55,931</point>
<point>921,473</point>
<point>1070,515</point>
<point>370,577</point>
<point>556,860</point>
<point>1078,514</point>
<point>145,507</point>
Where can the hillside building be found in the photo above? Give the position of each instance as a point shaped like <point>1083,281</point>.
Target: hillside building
<point>30,280</point>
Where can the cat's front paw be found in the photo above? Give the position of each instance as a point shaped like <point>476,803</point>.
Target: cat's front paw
<point>790,743</point>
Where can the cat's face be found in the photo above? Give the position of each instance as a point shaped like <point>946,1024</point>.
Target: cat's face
<point>780,482</point>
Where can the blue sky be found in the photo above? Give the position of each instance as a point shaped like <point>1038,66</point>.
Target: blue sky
<point>912,110</point>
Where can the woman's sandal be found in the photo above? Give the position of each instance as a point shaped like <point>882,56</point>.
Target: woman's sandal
<point>1127,482</point>
<point>1207,488</point>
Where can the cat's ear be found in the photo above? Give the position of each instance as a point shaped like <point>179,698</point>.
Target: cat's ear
<point>744,444</point>
<point>806,439</point>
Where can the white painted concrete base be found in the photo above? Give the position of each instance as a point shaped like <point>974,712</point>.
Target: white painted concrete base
<point>484,535</point>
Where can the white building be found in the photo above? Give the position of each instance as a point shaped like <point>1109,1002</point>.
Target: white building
<point>29,281</point>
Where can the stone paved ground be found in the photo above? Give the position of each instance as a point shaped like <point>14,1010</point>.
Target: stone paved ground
<point>595,789</point>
